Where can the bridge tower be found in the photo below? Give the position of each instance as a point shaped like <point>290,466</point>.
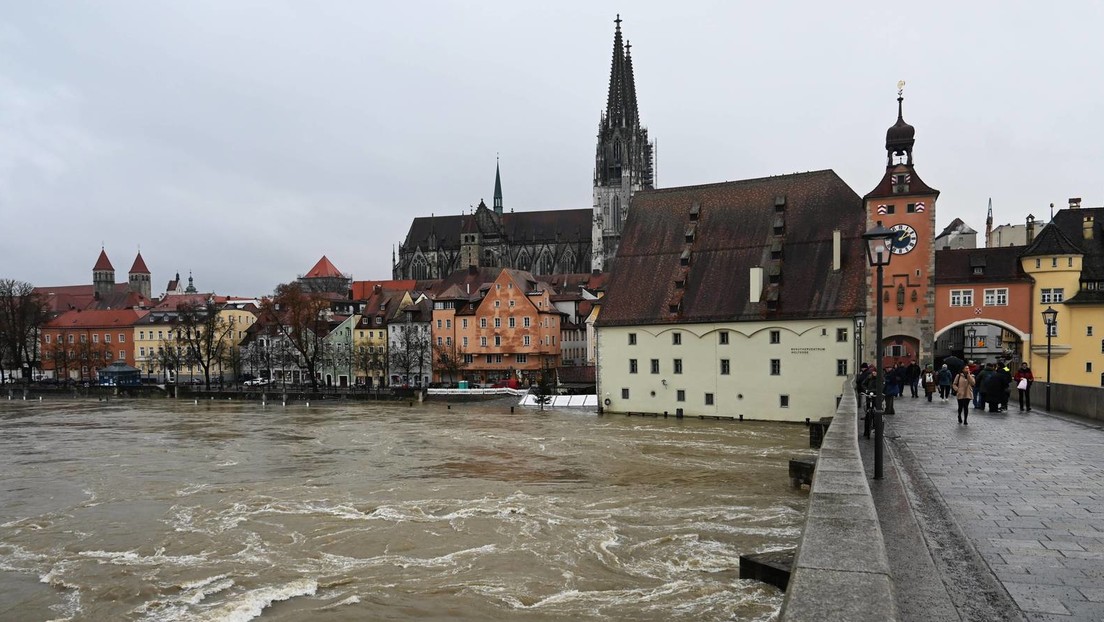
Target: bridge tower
<point>905,204</point>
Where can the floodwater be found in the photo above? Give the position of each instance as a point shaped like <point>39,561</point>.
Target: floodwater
<point>170,510</point>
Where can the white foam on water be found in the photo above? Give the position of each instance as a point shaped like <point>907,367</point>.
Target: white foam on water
<point>191,490</point>
<point>70,606</point>
<point>19,559</point>
<point>352,600</point>
<point>133,558</point>
<point>250,604</point>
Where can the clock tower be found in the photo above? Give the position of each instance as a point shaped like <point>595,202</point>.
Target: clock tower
<point>906,205</point>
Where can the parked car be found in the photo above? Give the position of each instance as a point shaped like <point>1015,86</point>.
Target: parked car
<point>256,382</point>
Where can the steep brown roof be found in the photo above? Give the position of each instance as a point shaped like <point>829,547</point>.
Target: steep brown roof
<point>885,186</point>
<point>740,225</point>
<point>997,264</point>
<point>323,269</point>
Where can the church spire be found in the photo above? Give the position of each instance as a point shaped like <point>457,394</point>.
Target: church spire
<point>617,101</point>
<point>498,190</point>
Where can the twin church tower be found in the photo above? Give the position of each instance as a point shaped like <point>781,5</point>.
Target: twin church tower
<point>555,241</point>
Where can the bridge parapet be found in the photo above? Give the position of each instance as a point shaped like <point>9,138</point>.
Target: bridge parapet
<point>841,571</point>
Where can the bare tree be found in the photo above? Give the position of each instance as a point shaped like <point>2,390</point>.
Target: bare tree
<point>170,359</point>
<point>447,361</point>
<point>409,350</point>
<point>90,356</point>
<point>23,313</point>
<point>301,317</point>
<point>203,333</point>
<point>369,359</point>
<point>61,356</point>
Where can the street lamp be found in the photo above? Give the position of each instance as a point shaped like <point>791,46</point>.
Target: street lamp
<point>878,255</point>
<point>1050,319</point>
<point>860,323</point>
<point>971,334</point>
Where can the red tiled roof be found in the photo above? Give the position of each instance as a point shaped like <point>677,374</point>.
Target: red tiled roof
<point>115,318</point>
<point>736,228</point>
<point>323,269</point>
<point>139,266</point>
<point>103,263</point>
<point>362,290</point>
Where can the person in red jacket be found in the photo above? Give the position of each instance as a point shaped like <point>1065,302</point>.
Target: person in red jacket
<point>1024,379</point>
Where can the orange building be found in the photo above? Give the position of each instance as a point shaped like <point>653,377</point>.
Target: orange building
<point>506,328</point>
<point>77,343</point>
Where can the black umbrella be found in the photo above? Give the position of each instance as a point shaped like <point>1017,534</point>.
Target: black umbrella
<point>954,364</point>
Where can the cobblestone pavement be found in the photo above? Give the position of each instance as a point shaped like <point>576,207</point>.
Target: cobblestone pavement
<point>1026,489</point>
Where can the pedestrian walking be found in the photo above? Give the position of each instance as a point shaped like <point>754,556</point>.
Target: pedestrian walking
<point>912,376</point>
<point>963,387</point>
<point>1006,384</point>
<point>944,377</point>
<point>928,378</point>
<point>992,388</point>
<point>979,379</point>
<point>1024,379</point>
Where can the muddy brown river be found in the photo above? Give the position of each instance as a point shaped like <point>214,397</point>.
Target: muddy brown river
<point>171,510</point>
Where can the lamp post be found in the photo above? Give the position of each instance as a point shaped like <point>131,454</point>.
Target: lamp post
<point>1050,319</point>
<point>878,255</point>
<point>971,335</point>
<point>860,323</point>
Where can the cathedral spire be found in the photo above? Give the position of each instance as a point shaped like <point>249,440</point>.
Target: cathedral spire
<point>498,190</point>
<point>616,101</point>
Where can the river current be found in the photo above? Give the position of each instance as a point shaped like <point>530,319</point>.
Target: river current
<point>173,510</point>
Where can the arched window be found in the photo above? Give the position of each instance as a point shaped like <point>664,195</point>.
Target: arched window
<point>567,263</point>
<point>524,262</point>
<point>546,264</point>
<point>616,213</point>
<point>419,269</point>
<point>617,152</point>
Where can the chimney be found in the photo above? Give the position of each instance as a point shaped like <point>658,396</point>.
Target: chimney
<point>837,250</point>
<point>1075,202</point>
<point>1030,229</point>
<point>1087,227</point>
<point>756,287</point>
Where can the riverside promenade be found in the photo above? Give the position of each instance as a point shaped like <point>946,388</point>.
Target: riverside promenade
<point>999,520</point>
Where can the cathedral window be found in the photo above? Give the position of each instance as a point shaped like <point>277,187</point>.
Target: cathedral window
<point>617,151</point>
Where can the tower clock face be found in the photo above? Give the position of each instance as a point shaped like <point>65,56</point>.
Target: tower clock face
<point>903,240</point>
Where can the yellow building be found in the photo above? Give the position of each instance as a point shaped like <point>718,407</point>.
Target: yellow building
<point>1066,263</point>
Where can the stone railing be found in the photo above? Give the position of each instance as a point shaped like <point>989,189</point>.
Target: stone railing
<point>840,571</point>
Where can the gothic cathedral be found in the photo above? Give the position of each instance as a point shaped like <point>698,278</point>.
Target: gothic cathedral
<point>553,241</point>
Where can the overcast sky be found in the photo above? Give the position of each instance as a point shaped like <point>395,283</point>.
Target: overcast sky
<point>242,141</point>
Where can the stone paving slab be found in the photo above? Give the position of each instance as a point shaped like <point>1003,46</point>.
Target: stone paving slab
<point>1027,489</point>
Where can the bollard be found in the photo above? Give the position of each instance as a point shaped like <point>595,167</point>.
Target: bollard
<point>449,407</point>
<point>742,418</point>
<point>511,410</point>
